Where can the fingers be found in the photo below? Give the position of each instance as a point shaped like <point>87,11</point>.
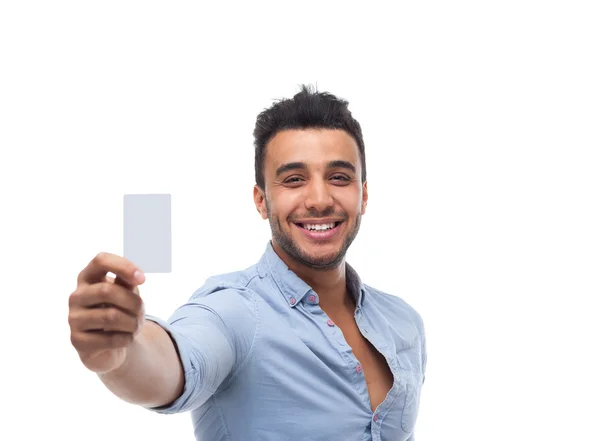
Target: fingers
<point>104,319</point>
<point>105,313</point>
<point>87,342</point>
<point>121,282</point>
<point>108,294</point>
<point>103,263</point>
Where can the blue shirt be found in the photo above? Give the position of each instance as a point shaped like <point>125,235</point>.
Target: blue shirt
<point>262,360</point>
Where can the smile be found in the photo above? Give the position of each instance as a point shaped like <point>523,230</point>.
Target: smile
<point>319,231</point>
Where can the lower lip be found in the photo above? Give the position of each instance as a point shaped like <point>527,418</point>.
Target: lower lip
<point>320,235</point>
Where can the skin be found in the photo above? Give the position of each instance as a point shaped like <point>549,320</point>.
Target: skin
<point>314,192</point>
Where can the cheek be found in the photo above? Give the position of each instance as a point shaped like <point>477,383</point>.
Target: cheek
<point>284,204</point>
<point>351,203</point>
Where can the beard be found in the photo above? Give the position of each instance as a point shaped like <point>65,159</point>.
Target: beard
<point>322,263</point>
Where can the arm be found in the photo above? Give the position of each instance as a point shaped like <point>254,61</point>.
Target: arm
<point>167,367</point>
<point>177,365</point>
<point>152,374</point>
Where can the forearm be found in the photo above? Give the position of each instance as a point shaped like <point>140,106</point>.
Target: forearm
<point>151,374</point>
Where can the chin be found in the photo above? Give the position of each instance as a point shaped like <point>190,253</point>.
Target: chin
<point>320,259</point>
<point>326,264</point>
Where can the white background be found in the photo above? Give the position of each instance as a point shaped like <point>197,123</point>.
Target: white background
<point>481,122</point>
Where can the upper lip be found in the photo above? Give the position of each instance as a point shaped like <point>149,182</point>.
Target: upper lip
<point>319,221</point>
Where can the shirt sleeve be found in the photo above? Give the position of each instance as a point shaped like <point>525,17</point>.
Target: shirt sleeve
<point>213,334</point>
<point>423,350</point>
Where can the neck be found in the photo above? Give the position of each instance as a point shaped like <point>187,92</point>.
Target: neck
<point>329,284</point>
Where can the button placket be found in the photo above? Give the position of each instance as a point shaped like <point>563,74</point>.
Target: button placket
<point>376,426</point>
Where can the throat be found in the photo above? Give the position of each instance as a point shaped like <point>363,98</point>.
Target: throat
<point>339,305</point>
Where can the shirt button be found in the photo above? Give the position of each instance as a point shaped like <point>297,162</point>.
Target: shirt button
<point>292,301</point>
<point>330,322</point>
<point>358,368</point>
<point>375,417</point>
<point>312,298</point>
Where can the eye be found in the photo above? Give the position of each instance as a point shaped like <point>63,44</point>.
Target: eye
<point>340,178</point>
<point>293,180</point>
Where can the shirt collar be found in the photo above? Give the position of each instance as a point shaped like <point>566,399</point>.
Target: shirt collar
<point>296,290</point>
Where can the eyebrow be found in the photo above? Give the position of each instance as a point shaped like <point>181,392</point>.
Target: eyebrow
<point>302,166</point>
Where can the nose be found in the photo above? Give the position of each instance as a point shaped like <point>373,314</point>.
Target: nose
<point>318,197</point>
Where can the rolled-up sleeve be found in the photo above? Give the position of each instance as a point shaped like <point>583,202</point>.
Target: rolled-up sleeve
<point>423,349</point>
<point>213,334</point>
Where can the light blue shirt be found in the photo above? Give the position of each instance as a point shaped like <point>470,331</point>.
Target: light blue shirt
<point>263,361</point>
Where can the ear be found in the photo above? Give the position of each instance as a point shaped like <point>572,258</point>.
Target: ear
<point>260,201</point>
<point>365,198</point>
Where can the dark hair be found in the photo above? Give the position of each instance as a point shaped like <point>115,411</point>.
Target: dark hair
<point>307,109</point>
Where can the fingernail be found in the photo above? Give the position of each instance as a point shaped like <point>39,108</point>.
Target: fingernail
<point>139,276</point>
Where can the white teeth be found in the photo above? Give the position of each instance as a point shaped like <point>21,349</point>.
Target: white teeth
<point>319,227</point>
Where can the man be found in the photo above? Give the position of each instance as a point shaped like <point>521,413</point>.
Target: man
<point>296,347</point>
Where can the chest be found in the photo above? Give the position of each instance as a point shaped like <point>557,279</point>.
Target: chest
<point>373,365</point>
<point>303,366</point>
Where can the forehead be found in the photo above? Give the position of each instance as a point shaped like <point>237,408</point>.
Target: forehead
<point>314,147</point>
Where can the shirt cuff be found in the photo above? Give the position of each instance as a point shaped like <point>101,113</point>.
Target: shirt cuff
<point>190,372</point>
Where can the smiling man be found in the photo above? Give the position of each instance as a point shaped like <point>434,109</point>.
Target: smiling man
<point>316,188</point>
<point>295,347</point>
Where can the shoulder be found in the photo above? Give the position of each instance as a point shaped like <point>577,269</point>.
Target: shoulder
<point>228,295</point>
<point>228,284</point>
<point>394,307</point>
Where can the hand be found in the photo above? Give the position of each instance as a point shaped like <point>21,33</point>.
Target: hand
<point>105,313</point>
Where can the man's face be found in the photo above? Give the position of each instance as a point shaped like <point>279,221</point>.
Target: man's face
<point>313,183</point>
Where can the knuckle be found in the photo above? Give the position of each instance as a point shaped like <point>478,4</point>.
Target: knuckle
<point>110,316</point>
<point>73,299</point>
<point>72,321</point>
<point>75,339</point>
<point>100,259</point>
<point>105,290</point>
